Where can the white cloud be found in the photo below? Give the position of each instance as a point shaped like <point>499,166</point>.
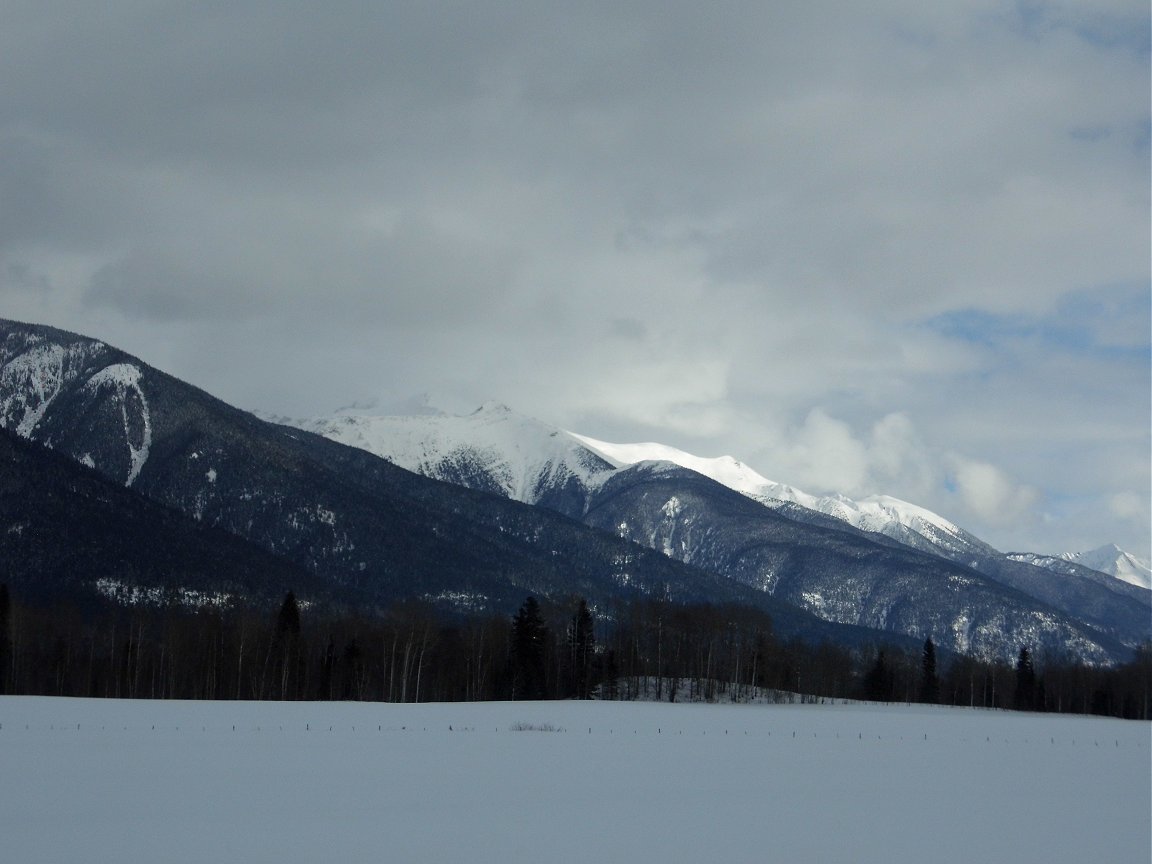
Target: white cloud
<point>825,454</point>
<point>1128,505</point>
<point>989,493</point>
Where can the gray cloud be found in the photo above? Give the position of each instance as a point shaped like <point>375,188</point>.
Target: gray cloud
<point>884,248</point>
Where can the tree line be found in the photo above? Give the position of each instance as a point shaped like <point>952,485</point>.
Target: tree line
<point>411,652</point>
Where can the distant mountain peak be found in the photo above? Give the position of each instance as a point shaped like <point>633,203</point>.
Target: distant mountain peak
<point>1114,561</point>
<point>881,514</point>
<point>493,448</point>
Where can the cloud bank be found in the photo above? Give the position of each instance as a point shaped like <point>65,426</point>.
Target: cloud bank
<point>883,248</point>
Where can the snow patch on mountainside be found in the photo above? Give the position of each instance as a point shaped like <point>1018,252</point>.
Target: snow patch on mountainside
<point>33,372</point>
<point>34,378</point>
<point>878,513</point>
<point>140,595</point>
<point>124,379</point>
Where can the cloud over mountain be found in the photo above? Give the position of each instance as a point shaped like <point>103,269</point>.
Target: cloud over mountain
<point>758,226</point>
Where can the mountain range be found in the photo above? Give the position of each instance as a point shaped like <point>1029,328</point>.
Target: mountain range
<point>474,512</point>
<point>521,458</point>
<point>366,532</point>
<point>614,487</point>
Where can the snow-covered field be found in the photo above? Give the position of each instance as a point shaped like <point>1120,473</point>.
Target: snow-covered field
<point>124,781</point>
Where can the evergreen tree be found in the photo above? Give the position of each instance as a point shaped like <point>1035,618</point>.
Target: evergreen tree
<point>327,664</point>
<point>529,639</point>
<point>288,637</point>
<point>878,681</point>
<point>1025,681</point>
<point>288,620</point>
<point>581,646</point>
<point>352,661</point>
<point>5,636</point>
<point>929,681</point>
<point>610,679</point>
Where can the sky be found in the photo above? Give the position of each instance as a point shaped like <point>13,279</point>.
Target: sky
<point>893,247</point>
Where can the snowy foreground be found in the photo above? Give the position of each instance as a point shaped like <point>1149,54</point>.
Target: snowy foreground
<point>124,781</point>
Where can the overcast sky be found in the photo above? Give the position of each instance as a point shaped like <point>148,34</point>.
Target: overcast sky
<point>889,247</point>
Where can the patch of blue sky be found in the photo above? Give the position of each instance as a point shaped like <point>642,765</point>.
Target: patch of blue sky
<point>1144,137</point>
<point>1112,323</point>
<point>1131,138</point>
<point>1091,133</point>
<point>1035,18</point>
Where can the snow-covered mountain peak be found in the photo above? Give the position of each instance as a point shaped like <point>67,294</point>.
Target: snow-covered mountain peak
<point>497,449</point>
<point>887,508</point>
<point>725,470</point>
<point>878,513</point>
<point>1114,561</point>
<point>1107,552</point>
<point>494,410</point>
<point>493,448</point>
